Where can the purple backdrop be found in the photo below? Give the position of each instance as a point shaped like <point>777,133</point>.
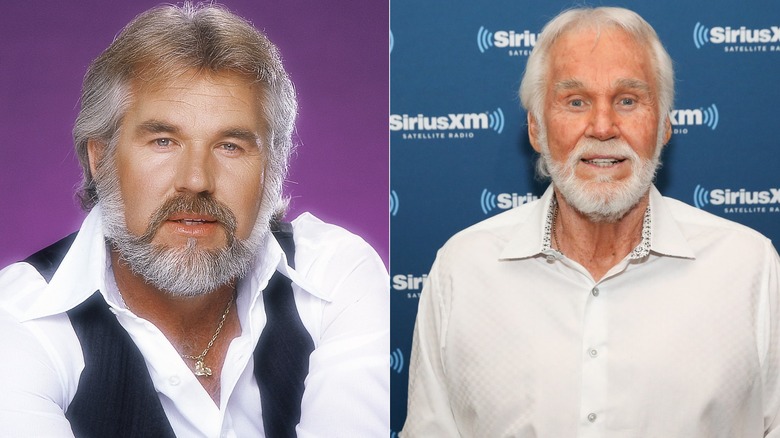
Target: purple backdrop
<point>337,56</point>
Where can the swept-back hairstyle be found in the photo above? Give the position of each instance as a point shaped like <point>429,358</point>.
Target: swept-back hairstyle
<point>534,83</point>
<point>166,41</point>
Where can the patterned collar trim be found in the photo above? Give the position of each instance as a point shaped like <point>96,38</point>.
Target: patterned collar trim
<point>641,250</point>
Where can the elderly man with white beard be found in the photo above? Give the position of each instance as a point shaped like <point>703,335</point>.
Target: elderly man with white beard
<point>603,309</point>
<point>185,306</point>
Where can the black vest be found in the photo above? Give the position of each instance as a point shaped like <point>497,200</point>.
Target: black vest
<point>115,395</point>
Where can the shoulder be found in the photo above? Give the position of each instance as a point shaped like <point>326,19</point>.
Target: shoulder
<point>698,224</point>
<point>327,255</point>
<point>19,282</point>
<point>320,240</point>
<point>492,235</point>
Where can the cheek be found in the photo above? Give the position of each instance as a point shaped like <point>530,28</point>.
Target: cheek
<point>143,191</point>
<point>244,193</point>
<point>643,138</point>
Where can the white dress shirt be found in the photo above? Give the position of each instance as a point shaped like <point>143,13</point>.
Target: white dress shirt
<point>342,294</point>
<point>513,339</point>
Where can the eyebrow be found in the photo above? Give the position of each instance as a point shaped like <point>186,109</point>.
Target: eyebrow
<point>242,134</point>
<point>633,84</point>
<point>569,84</point>
<point>157,127</point>
<point>160,127</point>
<point>623,83</point>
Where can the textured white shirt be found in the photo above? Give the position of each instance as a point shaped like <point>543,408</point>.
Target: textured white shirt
<point>515,340</point>
<point>341,292</point>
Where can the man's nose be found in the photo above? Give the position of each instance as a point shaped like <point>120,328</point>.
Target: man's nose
<point>603,122</point>
<point>194,172</point>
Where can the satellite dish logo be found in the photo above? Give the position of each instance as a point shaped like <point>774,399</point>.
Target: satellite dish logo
<point>735,35</point>
<point>484,39</point>
<point>701,196</point>
<point>746,201</point>
<point>702,116</point>
<point>503,201</point>
<point>487,120</point>
<point>393,203</point>
<point>397,360</point>
<point>487,201</point>
<point>496,120</point>
<point>711,116</point>
<point>701,35</point>
<point>504,38</point>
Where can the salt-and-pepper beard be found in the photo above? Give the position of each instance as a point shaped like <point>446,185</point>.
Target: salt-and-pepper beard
<point>603,199</point>
<point>187,271</point>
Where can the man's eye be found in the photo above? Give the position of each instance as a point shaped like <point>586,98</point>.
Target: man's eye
<point>231,148</point>
<point>163,142</point>
<point>627,101</point>
<point>577,103</point>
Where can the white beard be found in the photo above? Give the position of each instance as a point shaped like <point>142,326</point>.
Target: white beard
<point>182,272</point>
<point>603,199</point>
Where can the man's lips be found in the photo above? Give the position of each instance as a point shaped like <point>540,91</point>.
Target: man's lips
<point>602,161</point>
<point>180,217</point>
<point>192,219</point>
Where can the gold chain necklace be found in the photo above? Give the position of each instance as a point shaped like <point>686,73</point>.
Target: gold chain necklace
<point>201,370</point>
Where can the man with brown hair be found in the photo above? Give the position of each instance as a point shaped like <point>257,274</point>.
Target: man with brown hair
<point>185,306</point>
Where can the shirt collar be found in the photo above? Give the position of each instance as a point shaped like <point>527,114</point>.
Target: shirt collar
<point>668,238</point>
<point>660,231</point>
<point>530,236</point>
<point>83,271</point>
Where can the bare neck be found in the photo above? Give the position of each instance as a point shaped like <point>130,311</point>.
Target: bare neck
<point>187,323</point>
<point>598,246</point>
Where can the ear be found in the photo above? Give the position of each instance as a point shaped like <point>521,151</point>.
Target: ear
<point>667,130</point>
<point>533,132</point>
<point>95,151</point>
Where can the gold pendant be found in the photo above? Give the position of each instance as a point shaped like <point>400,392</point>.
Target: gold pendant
<point>201,369</point>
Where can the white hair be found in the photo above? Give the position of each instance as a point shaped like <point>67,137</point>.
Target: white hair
<point>534,84</point>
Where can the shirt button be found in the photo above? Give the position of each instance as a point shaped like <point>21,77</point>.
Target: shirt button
<point>174,380</point>
<point>592,417</point>
<point>595,291</point>
<point>593,352</point>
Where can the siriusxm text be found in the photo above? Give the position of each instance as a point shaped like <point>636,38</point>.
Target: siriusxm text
<point>720,35</point>
<point>744,197</point>
<point>511,200</point>
<point>420,122</point>
<point>503,38</point>
<point>409,282</point>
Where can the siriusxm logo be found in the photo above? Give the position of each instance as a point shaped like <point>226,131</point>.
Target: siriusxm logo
<point>397,360</point>
<point>504,201</point>
<point>727,197</point>
<point>504,39</point>
<point>393,203</point>
<point>409,282</point>
<point>694,117</point>
<point>488,120</point>
<point>727,35</point>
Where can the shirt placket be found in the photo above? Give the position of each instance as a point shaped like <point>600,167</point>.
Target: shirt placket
<point>594,356</point>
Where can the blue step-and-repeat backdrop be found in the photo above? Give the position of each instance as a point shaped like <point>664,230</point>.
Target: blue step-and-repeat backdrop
<point>460,150</point>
